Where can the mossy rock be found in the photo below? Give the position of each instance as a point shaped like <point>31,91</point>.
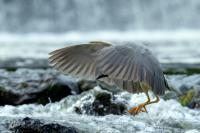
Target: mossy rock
<point>186,99</point>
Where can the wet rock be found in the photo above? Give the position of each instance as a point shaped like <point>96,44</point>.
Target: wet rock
<point>103,104</point>
<point>181,68</point>
<point>195,104</point>
<point>85,85</point>
<point>28,125</point>
<point>190,97</point>
<point>184,89</point>
<point>170,95</point>
<point>33,86</point>
<point>187,99</point>
<point>187,89</point>
<point>7,97</point>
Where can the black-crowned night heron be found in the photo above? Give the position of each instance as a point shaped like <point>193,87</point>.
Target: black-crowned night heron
<point>129,66</point>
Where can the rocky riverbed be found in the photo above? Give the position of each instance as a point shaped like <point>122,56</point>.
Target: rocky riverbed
<point>35,98</point>
<point>42,100</point>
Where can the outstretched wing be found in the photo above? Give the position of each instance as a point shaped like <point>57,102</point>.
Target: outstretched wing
<point>77,60</point>
<point>127,64</point>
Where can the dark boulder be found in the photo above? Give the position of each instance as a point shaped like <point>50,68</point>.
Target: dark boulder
<point>25,86</point>
<point>28,125</point>
<point>103,104</point>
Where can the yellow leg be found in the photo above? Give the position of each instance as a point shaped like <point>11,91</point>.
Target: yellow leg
<point>142,107</point>
<point>155,101</point>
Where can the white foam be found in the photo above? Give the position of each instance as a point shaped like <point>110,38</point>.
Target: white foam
<point>159,35</point>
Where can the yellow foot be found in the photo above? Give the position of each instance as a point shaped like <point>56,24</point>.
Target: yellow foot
<point>138,109</point>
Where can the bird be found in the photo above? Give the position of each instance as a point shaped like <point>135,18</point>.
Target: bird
<point>128,66</point>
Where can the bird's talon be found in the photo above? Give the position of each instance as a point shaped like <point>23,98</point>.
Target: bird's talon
<point>137,110</point>
<point>145,110</point>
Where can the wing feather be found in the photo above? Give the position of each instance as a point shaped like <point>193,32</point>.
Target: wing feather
<point>77,60</point>
<point>131,64</point>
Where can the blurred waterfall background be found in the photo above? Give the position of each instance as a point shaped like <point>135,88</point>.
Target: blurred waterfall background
<point>170,28</point>
<point>51,16</point>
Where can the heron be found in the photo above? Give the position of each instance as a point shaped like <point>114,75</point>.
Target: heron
<point>130,66</point>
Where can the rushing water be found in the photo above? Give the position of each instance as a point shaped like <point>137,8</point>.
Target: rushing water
<point>169,47</point>
<point>166,116</point>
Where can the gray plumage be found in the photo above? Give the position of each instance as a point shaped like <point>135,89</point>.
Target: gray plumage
<point>124,65</point>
